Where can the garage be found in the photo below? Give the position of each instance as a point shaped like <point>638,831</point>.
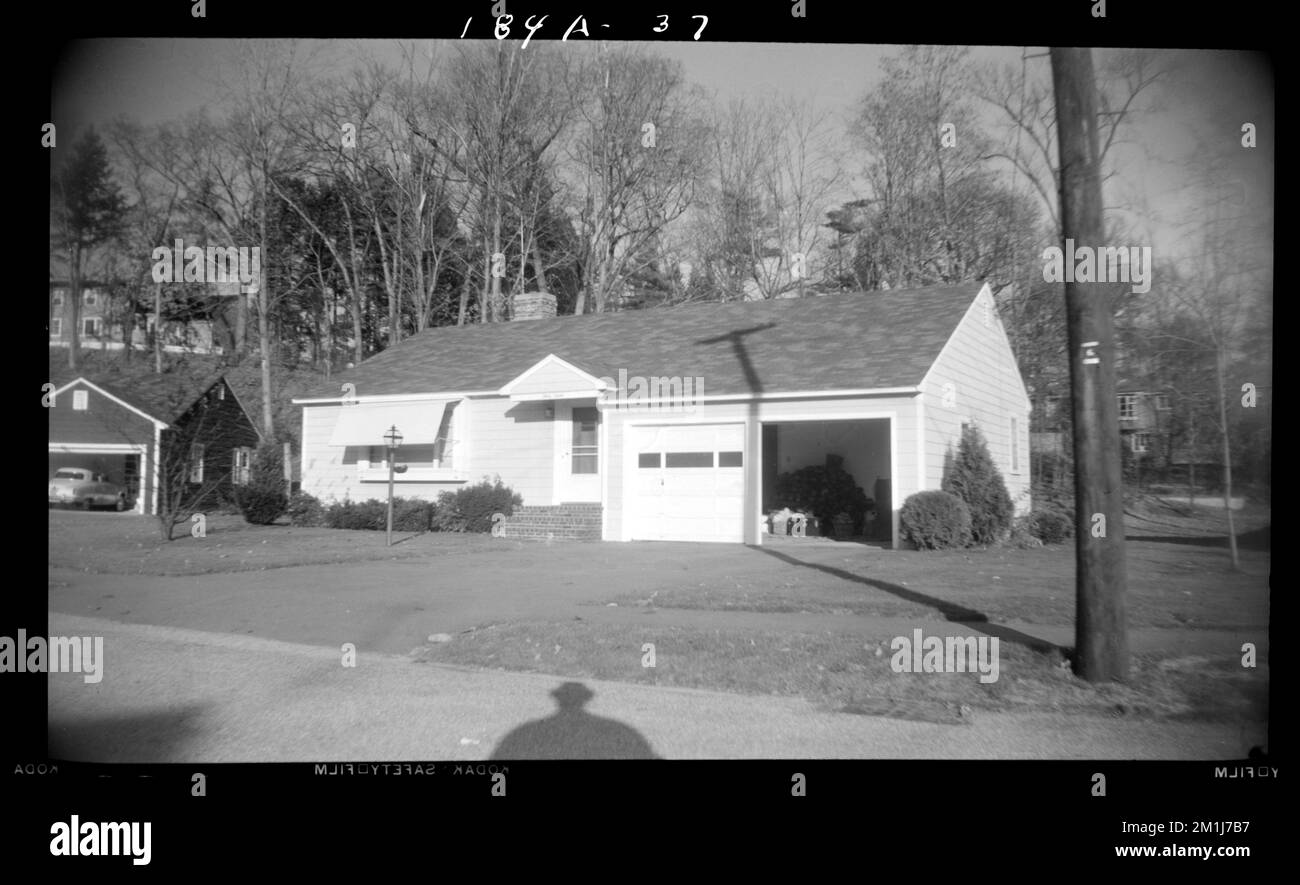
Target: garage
<point>688,482</point>
<point>118,464</point>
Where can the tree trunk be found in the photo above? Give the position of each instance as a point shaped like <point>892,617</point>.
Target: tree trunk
<point>72,309</point>
<point>464,296</point>
<point>1220,360</point>
<point>241,326</point>
<point>538,270</point>
<point>496,280</point>
<point>264,325</point>
<point>157,328</point>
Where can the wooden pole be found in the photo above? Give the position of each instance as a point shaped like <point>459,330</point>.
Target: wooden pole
<point>1101,634</point>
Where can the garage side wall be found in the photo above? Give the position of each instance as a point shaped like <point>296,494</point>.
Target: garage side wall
<point>976,379</point>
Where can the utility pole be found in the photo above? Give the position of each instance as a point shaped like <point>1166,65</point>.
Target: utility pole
<point>1101,629</point>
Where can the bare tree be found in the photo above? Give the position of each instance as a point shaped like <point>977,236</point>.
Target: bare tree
<point>1218,291</point>
<point>634,163</point>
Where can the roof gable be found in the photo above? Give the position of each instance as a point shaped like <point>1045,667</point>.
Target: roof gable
<point>553,378</point>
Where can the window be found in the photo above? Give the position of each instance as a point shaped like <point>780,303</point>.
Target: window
<point>221,392</point>
<point>372,461</point>
<point>649,459</point>
<point>242,465</point>
<point>90,299</point>
<point>1162,402</point>
<point>196,462</point>
<point>1127,406</point>
<point>731,459</point>
<point>417,456</point>
<point>90,327</point>
<point>689,459</point>
<point>80,400</point>
<point>58,298</point>
<point>1141,442</point>
<point>586,438</point>
<point>1015,446</point>
<point>56,327</point>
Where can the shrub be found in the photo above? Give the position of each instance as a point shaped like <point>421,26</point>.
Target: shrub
<point>412,515</point>
<point>263,499</point>
<point>409,515</point>
<point>1050,526</point>
<point>370,515</point>
<point>306,510</point>
<point>1021,536</point>
<point>825,492</point>
<point>261,505</point>
<point>973,477</point>
<point>935,520</point>
<point>470,509</point>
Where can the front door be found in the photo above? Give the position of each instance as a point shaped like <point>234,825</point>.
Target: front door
<point>578,471</point>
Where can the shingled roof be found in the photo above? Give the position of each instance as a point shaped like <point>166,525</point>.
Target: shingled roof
<point>164,397</point>
<point>831,342</point>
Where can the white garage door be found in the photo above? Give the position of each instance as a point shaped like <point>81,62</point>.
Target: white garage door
<point>688,483</point>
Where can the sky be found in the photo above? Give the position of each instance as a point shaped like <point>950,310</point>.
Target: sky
<point>1201,106</point>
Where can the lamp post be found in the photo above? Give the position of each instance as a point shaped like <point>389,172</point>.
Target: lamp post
<point>394,440</point>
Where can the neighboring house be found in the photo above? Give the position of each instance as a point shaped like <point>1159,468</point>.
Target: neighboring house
<point>1149,431</point>
<point>738,394</point>
<point>101,321</point>
<point>95,320</point>
<point>126,432</point>
<point>1145,413</point>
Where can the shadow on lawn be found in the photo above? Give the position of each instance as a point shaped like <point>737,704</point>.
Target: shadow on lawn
<point>976,620</point>
<point>573,733</point>
<point>1256,540</point>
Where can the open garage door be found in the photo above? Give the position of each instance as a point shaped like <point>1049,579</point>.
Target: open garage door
<point>688,483</point>
<point>123,469</point>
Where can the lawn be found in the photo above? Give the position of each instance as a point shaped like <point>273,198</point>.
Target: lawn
<point>841,672</point>
<point>1181,582</point>
<point>128,544</point>
<point>789,619</point>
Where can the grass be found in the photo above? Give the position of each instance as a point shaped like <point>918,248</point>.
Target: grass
<point>1179,583</point>
<point>128,544</point>
<point>1169,586</point>
<point>840,672</point>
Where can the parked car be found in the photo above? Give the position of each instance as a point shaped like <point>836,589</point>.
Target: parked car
<point>79,487</point>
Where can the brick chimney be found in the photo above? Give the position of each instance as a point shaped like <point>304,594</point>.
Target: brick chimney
<point>534,306</point>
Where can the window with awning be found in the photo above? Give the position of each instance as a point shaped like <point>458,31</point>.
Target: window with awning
<point>364,424</point>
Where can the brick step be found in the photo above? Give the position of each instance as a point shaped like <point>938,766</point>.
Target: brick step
<point>580,521</point>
